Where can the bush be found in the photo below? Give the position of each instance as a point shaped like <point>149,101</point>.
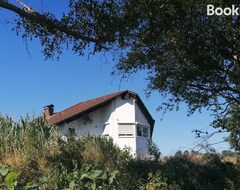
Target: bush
<point>96,151</point>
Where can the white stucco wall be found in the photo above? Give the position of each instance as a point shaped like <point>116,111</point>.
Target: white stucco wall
<point>142,142</point>
<point>125,111</point>
<point>94,127</point>
<point>124,114</point>
<point>142,146</point>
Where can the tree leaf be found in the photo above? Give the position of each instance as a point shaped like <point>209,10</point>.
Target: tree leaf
<point>4,170</point>
<point>11,180</point>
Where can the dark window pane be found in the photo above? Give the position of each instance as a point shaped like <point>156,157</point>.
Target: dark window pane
<point>139,131</point>
<point>71,131</point>
<point>145,132</point>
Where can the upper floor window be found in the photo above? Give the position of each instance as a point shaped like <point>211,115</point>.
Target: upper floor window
<point>142,131</point>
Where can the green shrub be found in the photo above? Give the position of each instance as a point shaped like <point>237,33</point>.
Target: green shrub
<point>97,151</point>
<point>158,182</point>
<point>85,178</point>
<point>154,150</point>
<point>10,180</point>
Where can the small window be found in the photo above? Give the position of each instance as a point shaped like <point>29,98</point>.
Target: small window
<point>71,131</point>
<point>145,132</point>
<point>142,131</point>
<point>139,131</point>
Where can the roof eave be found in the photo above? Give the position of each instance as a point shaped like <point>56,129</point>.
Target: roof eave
<point>94,108</point>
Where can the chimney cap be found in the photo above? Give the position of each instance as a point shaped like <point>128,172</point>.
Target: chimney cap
<point>49,106</point>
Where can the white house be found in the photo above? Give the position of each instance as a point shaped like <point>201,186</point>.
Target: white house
<point>121,115</point>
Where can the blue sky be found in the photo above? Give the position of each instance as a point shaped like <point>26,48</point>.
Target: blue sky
<point>28,82</point>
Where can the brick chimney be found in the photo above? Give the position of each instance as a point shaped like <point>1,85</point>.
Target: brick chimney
<point>48,110</point>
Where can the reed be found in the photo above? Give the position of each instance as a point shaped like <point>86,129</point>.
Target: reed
<point>29,138</point>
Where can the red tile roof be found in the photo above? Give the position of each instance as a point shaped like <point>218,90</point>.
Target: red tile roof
<point>81,107</point>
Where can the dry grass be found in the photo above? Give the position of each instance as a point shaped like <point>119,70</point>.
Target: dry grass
<point>231,159</point>
<point>15,161</point>
<point>93,154</point>
<point>43,166</point>
<point>199,158</point>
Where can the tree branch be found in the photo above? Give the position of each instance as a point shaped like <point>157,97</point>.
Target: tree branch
<point>50,24</point>
<point>205,139</point>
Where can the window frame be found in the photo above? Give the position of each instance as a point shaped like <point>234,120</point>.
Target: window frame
<point>142,134</point>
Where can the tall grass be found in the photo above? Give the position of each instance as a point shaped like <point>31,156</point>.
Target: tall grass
<point>29,138</point>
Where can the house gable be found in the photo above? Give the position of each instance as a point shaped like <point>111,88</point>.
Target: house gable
<point>125,109</point>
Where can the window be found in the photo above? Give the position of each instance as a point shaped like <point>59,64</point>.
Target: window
<point>71,131</point>
<point>145,132</point>
<point>142,131</point>
<point>139,131</point>
<point>125,130</point>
